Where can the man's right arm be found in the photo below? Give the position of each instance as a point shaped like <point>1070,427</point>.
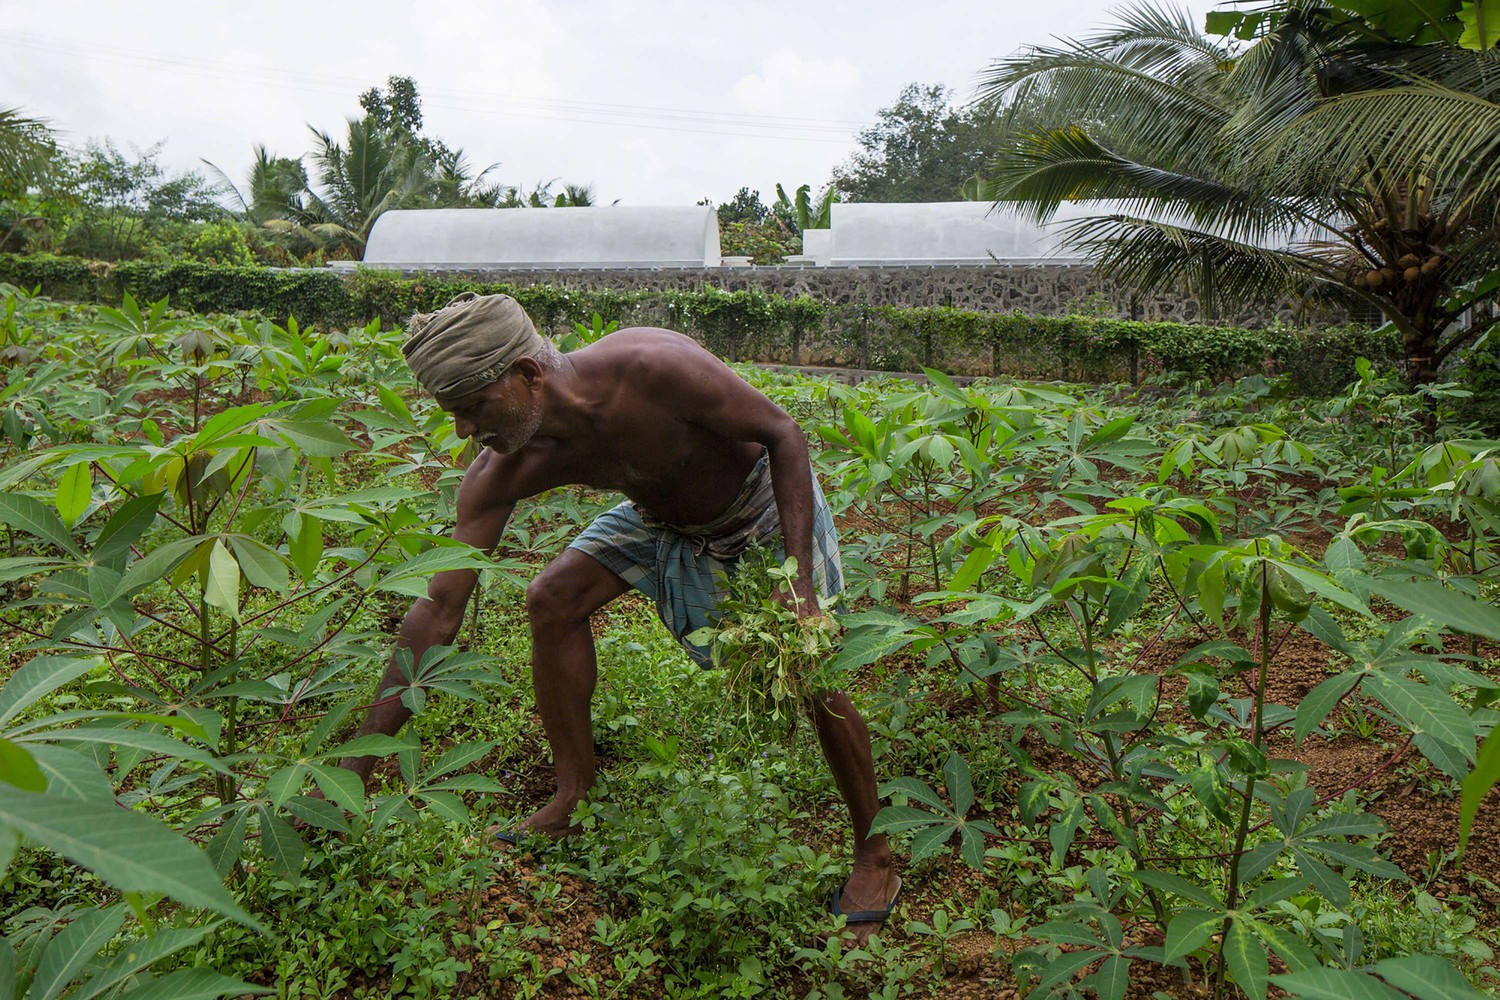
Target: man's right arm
<point>434,620</point>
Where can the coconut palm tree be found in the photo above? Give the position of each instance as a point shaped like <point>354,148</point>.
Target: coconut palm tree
<point>27,148</point>
<point>574,196</point>
<point>457,186</point>
<point>275,187</point>
<point>1322,160</point>
<point>373,172</point>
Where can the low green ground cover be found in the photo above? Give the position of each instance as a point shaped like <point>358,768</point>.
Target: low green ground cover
<point>1108,642</point>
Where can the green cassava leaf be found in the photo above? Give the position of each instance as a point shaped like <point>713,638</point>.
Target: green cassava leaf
<point>192,984</point>
<point>40,676</point>
<point>1317,703</point>
<point>36,519</point>
<point>19,768</point>
<point>960,787</point>
<point>1426,977</point>
<point>1444,606</point>
<point>1477,785</point>
<point>1188,931</point>
<point>75,488</point>
<point>1247,959</point>
<point>1334,984</point>
<point>73,947</point>
<point>126,526</point>
<point>222,587</point>
<point>262,566</point>
<point>71,773</point>
<point>1427,710</point>
<point>130,850</point>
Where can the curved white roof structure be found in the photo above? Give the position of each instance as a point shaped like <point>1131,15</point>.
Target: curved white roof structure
<point>947,232</point>
<point>874,234</point>
<point>597,236</point>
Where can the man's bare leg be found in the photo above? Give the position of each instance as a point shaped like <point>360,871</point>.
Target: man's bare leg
<point>563,672</point>
<point>845,740</point>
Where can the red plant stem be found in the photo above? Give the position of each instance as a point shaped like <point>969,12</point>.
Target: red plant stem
<point>149,669</point>
<point>244,487</point>
<point>116,484</point>
<point>91,645</point>
<point>299,595</point>
<point>120,673</point>
<point>308,676</point>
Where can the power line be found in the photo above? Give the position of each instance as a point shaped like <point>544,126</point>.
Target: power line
<point>694,121</point>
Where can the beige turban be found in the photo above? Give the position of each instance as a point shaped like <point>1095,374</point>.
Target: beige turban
<point>469,343</point>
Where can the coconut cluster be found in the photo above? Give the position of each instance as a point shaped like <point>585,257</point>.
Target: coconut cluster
<point>1408,269</point>
<point>1406,250</point>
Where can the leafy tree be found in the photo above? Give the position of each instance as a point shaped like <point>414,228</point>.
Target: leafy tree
<point>126,204</point>
<point>385,162</point>
<point>745,206</point>
<point>396,109</point>
<point>28,154</point>
<point>922,149</point>
<point>575,196</point>
<point>766,242</point>
<point>373,171</point>
<point>1375,156</point>
<point>748,227</point>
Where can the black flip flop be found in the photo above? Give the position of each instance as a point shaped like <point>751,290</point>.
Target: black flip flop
<point>863,916</point>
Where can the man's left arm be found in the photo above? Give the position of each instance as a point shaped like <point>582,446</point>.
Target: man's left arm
<point>720,401</point>
<point>791,479</point>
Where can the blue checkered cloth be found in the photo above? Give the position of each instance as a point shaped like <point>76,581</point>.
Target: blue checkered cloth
<point>679,568</point>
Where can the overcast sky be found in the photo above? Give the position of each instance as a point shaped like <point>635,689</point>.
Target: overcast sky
<point>652,102</point>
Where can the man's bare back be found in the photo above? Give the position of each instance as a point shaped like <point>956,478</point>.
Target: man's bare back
<point>637,426</point>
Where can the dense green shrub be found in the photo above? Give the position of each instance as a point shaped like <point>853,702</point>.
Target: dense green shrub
<point>754,325</point>
<point>1480,374</point>
<point>312,296</point>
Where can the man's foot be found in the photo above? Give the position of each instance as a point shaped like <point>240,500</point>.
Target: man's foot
<point>865,901</point>
<point>549,821</point>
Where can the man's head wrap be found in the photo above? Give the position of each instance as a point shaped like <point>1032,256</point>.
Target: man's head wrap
<point>469,343</point>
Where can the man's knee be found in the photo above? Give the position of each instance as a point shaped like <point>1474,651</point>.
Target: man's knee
<point>551,600</point>
<point>567,592</point>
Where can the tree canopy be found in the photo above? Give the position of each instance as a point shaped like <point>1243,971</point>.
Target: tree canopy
<point>923,148</point>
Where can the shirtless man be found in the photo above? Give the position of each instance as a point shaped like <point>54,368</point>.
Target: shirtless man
<point>710,467</point>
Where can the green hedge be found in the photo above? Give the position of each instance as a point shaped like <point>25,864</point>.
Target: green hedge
<point>313,296</point>
<point>754,325</point>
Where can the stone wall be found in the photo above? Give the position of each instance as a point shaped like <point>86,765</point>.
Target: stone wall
<point>1043,290</point>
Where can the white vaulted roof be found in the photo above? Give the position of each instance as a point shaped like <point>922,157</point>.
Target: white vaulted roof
<point>594,236</point>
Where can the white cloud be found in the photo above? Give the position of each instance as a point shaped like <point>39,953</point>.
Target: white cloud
<point>655,101</point>
<point>788,83</point>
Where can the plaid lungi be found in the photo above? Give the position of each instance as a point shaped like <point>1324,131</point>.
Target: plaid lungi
<point>678,567</point>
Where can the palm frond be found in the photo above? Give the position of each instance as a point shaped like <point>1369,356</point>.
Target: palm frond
<point>1424,127</point>
<point>225,184</point>
<point>27,147</point>
<point>1042,171</point>
<point>1181,119</point>
<point>1274,82</point>
<point>1157,38</point>
<point>1157,256</point>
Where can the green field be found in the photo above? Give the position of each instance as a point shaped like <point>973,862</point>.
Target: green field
<point>1181,688</point>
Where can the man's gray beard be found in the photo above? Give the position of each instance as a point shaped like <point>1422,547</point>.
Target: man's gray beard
<point>523,427</point>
